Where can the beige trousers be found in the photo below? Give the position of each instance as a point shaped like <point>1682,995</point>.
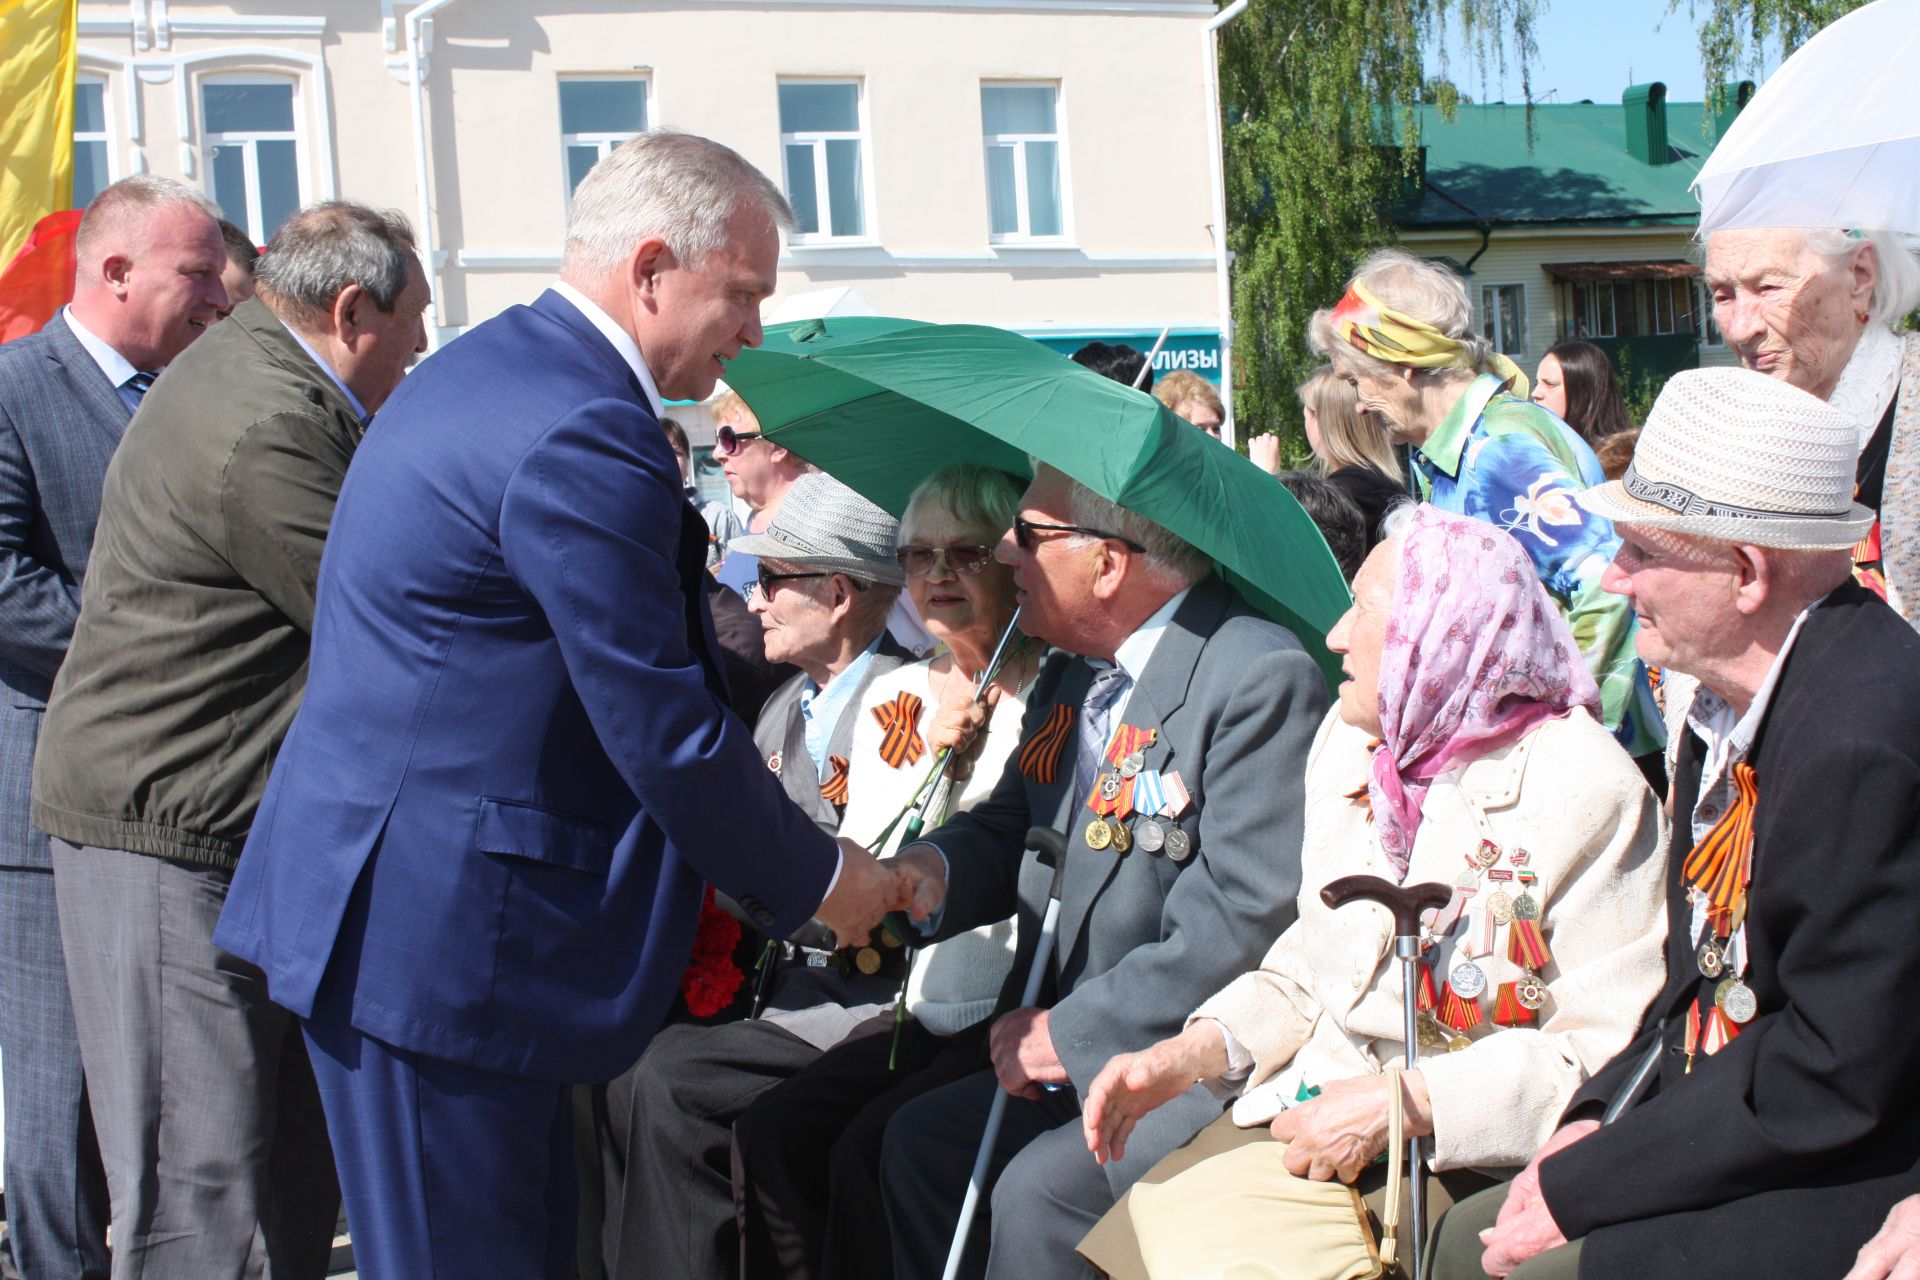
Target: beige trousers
<point>1242,1241</point>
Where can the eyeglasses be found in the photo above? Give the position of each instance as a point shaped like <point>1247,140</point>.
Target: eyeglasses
<point>764,581</point>
<point>1024,529</point>
<point>918,560</point>
<point>731,441</point>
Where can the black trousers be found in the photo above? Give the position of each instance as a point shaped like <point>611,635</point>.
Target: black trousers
<point>806,1155</point>
<point>666,1146</point>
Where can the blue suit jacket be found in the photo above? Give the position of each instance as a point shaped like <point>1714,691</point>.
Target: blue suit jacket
<point>60,421</point>
<point>489,824</point>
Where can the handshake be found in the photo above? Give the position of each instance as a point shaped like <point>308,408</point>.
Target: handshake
<point>913,881</point>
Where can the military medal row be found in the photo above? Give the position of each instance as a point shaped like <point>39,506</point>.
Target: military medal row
<point>1128,788</point>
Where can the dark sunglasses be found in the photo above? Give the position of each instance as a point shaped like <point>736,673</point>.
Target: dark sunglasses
<point>1024,529</point>
<point>732,441</point>
<point>918,560</point>
<point>765,581</point>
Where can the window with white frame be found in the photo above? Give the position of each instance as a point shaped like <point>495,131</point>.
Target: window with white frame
<point>252,131</point>
<point>91,168</point>
<point>1503,317</point>
<point>597,115</point>
<point>822,149</point>
<point>1021,126</point>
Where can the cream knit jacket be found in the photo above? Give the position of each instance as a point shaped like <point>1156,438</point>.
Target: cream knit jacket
<point>1325,1004</point>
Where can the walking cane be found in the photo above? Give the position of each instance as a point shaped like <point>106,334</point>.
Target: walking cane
<point>1405,903</point>
<point>1052,848</point>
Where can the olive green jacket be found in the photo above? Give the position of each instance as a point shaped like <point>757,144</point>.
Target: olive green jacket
<point>190,655</point>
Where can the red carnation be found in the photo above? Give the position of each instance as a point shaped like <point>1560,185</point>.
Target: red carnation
<point>712,979</point>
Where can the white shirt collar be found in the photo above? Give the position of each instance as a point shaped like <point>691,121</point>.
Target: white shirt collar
<point>116,366</point>
<point>1137,649</point>
<point>622,341</point>
<point>352,399</point>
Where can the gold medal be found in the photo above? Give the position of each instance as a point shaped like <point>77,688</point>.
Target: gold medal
<point>1122,838</point>
<point>867,960</point>
<point>1099,834</point>
<point>1711,958</point>
<point>1500,903</point>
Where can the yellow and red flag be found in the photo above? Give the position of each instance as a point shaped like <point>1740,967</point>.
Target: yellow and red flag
<point>39,45</point>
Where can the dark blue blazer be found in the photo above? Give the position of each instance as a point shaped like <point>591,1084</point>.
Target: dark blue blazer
<point>60,421</point>
<point>489,825</point>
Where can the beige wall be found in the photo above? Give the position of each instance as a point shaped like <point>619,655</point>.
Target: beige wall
<point>1137,251</point>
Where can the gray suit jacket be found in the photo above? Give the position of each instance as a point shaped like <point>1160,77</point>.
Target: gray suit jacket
<point>1143,940</point>
<point>60,421</point>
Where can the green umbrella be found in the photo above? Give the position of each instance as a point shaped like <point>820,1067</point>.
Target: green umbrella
<point>880,404</point>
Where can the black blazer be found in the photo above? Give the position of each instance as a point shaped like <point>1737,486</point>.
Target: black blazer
<point>1781,1154</point>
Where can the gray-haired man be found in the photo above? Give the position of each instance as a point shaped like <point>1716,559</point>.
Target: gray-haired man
<point>187,664</point>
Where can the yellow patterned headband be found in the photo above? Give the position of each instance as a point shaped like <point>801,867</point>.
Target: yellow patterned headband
<point>1385,334</point>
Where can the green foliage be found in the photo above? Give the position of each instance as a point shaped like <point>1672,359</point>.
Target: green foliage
<point>1319,134</point>
<point>1737,35</point>
<point>1637,391</point>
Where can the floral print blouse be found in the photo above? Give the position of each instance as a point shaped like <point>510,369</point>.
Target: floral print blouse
<point>1507,461</point>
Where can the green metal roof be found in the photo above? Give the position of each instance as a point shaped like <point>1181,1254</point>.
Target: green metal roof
<point>1479,169</point>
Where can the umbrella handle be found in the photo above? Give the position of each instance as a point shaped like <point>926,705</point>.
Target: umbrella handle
<point>1404,902</point>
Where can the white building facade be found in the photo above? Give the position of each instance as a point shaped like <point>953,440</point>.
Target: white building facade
<point>1040,165</point>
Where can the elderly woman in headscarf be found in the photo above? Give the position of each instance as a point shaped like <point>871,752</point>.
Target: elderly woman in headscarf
<point>1818,309</point>
<point>1465,749</point>
<point>1403,335</point>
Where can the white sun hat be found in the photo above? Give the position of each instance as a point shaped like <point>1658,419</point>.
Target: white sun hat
<point>825,525</point>
<point>1736,456</point>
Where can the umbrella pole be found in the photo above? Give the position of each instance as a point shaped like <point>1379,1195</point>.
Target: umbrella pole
<point>1147,367</point>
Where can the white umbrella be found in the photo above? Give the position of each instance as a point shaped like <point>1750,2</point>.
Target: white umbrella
<point>1832,139</point>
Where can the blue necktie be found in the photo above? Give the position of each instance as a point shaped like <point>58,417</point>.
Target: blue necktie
<point>139,384</point>
<point>1095,724</point>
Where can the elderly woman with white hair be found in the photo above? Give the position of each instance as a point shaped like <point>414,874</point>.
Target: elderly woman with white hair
<point>1403,336</point>
<point>1817,309</point>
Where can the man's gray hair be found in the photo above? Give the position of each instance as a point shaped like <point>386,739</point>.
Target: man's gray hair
<point>678,186</point>
<point>1168,555</point>
<point>327,246</point>
<point>112,214</point>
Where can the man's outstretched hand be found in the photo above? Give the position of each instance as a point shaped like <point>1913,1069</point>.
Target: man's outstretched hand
<point>922,876</point>
<point>865,892</point>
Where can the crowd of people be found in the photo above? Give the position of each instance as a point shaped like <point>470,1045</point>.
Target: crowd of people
<point>414,797</point>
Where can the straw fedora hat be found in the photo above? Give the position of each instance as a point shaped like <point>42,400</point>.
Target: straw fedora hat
<point>822,524</point>
<point>1737,456</point>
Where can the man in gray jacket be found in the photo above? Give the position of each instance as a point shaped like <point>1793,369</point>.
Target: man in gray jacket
<point>1172,755</point>
<point>186,667</point>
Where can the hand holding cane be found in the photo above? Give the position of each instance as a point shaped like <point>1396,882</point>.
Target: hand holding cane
<point>1404,903</point>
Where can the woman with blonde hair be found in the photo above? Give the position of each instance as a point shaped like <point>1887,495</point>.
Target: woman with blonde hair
<point>1352,449</point>
<point>1403,337</point>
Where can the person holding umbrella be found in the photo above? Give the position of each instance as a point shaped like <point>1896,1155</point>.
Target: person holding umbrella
<point>1780,1123</point>
<point>1166,743</point>
<point>1403,335</point>
<point>1818,310</point>
<point>1465,749</point>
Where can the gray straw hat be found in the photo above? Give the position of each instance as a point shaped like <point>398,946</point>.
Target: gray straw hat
<point>1736,456</point>
<point>825,525</point>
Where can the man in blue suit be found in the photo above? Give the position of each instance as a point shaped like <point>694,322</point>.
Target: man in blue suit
<point>148,283</point>
<point>479,861</point>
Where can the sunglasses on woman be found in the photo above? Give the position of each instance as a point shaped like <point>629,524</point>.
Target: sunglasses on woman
<point>918,560</point>
<point>732,441</point>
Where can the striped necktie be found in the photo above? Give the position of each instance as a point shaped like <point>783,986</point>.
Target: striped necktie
<point>139,384</point>
<point>1107,686</point>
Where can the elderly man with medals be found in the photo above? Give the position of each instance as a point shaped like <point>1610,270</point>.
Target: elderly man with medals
<point>1763,1121</point>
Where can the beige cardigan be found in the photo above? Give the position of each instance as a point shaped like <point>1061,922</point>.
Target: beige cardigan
<point>1325,1004</point>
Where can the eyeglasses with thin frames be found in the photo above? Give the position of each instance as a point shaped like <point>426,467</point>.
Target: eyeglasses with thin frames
<point>731,441</point>
<point>918,560</point>
<point>1024,529</point>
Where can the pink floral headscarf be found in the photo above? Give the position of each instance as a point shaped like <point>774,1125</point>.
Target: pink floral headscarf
<point>1475,656</point>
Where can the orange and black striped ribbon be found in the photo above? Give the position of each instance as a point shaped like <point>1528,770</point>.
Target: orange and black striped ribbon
<point>1128,739</point>
<point>1507,1009</point>
<point>1527,945</point>
<point>834,789</point>
<point>1722,863</point>
<point>1457,1011</point>
<point>1040,754</point>
<point>900,718</point>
